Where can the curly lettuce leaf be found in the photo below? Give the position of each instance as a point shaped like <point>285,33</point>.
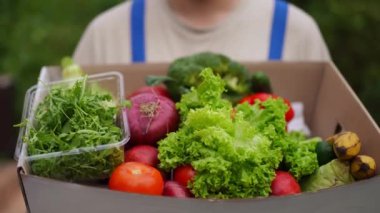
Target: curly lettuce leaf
<point>300,156</point>
<point>299,152</point>
<point>208,93</point>
<point>267,117</point>
<point>230,161</point>
<point>235,152</point>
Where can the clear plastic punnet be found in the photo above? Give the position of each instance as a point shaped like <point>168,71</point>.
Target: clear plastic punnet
<point>84,163</point>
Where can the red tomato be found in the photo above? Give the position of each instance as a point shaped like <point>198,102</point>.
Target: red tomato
<point>263,97</point>
<point>138,178</point>
<point>159,90</point>
<point>184,174</point>
<point>290,113</point>
<point>257,96</point>
<point>284,184</point>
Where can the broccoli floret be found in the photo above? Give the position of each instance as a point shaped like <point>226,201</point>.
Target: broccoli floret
<point>184,73</point>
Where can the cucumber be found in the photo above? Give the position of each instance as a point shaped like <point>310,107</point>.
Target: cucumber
<point>325,152</point>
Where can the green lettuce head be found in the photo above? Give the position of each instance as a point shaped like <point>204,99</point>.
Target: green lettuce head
<point>335,173</point>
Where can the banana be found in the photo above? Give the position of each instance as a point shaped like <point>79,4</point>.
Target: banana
<point>346,145</point>
<point>362,167</point>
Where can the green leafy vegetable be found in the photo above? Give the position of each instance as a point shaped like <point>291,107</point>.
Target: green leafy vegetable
<point>334,173</point>
<point>70,69</point>
<point>235,152</point>
<point>184,73</point>
<point>207,94</point>
<point>75,117</point>
<point>230,157</point>
<point>300,155</point>
<point>270,121</point>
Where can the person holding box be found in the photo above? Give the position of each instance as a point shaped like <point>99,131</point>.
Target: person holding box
<point>140,31</point>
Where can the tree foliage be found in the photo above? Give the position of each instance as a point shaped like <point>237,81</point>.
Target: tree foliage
<point>36,33</point>
<point>351,31</point>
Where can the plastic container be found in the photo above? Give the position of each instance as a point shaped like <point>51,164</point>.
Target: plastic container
<point>83,163</point>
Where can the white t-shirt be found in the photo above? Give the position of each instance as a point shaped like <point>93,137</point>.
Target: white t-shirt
<point>244,35</point>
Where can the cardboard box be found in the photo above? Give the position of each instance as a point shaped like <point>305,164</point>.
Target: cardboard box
<point>330,106</point>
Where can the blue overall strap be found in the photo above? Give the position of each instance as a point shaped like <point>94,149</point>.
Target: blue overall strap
<point>280,15</point>
<point>138,31</point>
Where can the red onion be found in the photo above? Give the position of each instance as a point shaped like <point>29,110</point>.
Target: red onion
<point>151,117</point>
<point>143,154</point>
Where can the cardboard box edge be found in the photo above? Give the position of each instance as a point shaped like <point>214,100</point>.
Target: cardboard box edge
<point>354,95</point>
<point>21,171</point>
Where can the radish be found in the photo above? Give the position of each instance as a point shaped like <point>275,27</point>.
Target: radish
<point>151,118</point>
<point>284,184</point>
<point>184,174</point>
<point>143,154</point>
<point>174,189</point>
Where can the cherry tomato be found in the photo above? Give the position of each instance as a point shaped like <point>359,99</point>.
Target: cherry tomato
<point>184,174</point>
<point>263,97</point>
<point>159,90</point>
<point>138,178</point>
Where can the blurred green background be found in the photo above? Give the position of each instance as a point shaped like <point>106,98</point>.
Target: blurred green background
<point>40,32</point>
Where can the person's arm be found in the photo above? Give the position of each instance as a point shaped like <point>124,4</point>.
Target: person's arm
<point>315,45</point>
<point>304,41</point>
<point>85,50</point>
<point>106,39</point>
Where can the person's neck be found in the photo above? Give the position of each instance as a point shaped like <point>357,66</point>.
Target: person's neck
<point>202,13</point>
